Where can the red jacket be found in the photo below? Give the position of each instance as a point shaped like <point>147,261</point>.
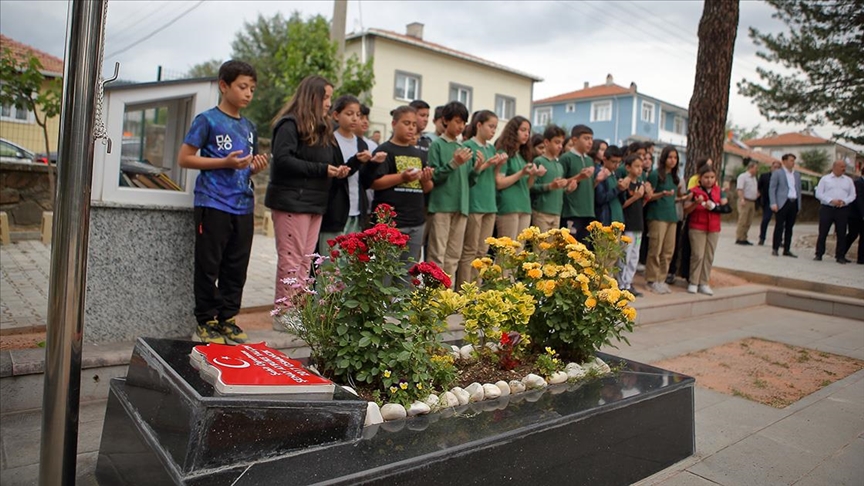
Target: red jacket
<point>701,219</point>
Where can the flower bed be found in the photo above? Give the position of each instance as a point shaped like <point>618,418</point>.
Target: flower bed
<point>545,303</point>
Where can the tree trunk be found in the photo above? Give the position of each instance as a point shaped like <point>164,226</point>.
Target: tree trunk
<point>710,102</point>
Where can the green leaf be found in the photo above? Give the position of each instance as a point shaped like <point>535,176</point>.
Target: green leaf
<point>364,341</point>
<point>351,304</point>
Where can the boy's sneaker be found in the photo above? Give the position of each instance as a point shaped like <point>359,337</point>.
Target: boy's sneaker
<point>705,289</point>
<point>692,288</point>
<point>208,332</point>
<point>232,331</point>
<point>670,279</point>
<point>658,288</point>
<point>635,292</point>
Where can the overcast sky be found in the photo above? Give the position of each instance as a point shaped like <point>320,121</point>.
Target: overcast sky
<point>652,43</point>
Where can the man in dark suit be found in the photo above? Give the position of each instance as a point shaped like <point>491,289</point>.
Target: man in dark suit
<point>784,193</point>
<point>764,184</point>
<point>856,221</point>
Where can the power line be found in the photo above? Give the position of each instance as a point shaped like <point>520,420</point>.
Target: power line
<point>133,18</point>
<point>163,14</point>
<point>160,29</point>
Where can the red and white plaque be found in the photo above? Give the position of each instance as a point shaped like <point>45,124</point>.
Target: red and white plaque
<point>255,368</point>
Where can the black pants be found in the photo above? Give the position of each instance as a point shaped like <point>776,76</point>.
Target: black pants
<point>766,218</point>
<point>643,247</point>
<point>578,228</point>
<point>783,225</point>
<point>856,230</point>
<point>223,244</point>
<point>829,215</point>
<point>681,256</point>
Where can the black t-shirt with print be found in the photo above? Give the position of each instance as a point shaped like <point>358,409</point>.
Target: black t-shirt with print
<point>406,198</point>
<point>633,214</point>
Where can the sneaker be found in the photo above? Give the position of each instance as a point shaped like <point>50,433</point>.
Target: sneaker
<point>658,287</point>
<point>704,289</point>
<point>635,292</point>
<point>692,289</point>
<point>231,331</point>
<point>670,279</point>
<point>665,287</point>
<point>207,332</point>
<point>640,268</point>
<point>761,241</point>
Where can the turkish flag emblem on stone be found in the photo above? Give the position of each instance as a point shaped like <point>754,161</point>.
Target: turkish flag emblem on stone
<point>255,368</point>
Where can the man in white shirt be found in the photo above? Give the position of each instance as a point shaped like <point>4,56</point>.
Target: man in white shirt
<point>785,197</point>
<point>748,192</point>
<point>836,192</point>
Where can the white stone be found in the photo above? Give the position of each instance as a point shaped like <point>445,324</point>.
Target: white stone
<point>503,387</point>
<point>373,414</point>
<point>602,366</point>
<point>418,408</point>
<point>475,392</point>
<point>461,395</point>
<point>351,390</point>
<point>466,352</point>
<point>393,411</point>
<point>448,399</point>
<point>574,371</point>
<point>432,400</point>
<point>533,381</point>
<point>516,386</point>
<point>492,346</point>
<point>558,377</point>
<point>491,392</point>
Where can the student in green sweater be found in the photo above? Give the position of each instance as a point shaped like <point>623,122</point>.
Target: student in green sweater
<point>482,205</point>
<point>448,201</point>
<point>662,218</point>
<point>578,210</point>
<point>548,188</point>
<point>514,178</point>
<point>609,186</point>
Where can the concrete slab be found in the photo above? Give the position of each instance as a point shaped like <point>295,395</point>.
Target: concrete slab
<point>843,468</point>
<point>684,478</point>
<point>730,421</point>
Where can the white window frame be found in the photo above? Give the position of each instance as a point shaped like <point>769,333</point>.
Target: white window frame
<point>597,105</point>
<point>502,103</point>
<point>651,114</point>
<point>570,108</point>
<point>106,172</point>
<point>539,113</point>
<point>461,89</point>
<point>13,112</point>
<point>679,119</point>
<point>405,95</point>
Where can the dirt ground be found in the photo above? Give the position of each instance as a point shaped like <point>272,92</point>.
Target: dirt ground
<point>767,372</point>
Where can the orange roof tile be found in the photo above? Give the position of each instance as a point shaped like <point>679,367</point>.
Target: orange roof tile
<point>51,65</point>
<point>590,92</point>
<point>762,157</point>
<point>438,47</point>
<point>793,138</point>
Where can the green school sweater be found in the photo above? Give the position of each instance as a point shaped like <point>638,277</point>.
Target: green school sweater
<point>546,200</point>
<point>615,208</point>
<point>516,198</point>
<point>450,194</point>
<point>662,209</point>
<point>579,203</point>
<point>481,195</point>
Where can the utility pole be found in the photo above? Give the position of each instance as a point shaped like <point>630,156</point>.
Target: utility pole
<point>337,26</point>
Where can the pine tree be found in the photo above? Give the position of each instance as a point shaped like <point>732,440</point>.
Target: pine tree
<point>710,102</point>
<point>825,49</point>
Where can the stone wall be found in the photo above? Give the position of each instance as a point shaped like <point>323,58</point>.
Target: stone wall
<point>25,192</point>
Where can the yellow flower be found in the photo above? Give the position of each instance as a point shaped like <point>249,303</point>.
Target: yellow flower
<point>477,264</point>
<point>589,271</point>
<point>528,233</point>
<point>550,270</point>
<point>591,302</point>
<point>605,229</point>
<point>625,294</point>
<point>535,273</point>
<point>403,385</point>
<point>393,389</point>
<point>569,239</point>
<point>419,386</point>
<point>594,225</point>
<point>626,239</point>
<point>629,313</point>
<point>386,373</point>
<point>545,245</point>
<point>486,260</point>
<point>622,303</point>
<point>617,225</point>
<point>550,351</point>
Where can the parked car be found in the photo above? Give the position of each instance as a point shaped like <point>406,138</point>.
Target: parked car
<point>42,159</point>
<point>10,152</point>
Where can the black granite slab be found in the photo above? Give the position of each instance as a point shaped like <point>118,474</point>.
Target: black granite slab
<point>613,430</point>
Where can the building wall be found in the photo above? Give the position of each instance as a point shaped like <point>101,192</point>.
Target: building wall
<point>29,135</point>
<point>437,71</point>
<point>614,131</point>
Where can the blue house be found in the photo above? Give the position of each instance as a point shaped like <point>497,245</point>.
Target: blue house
<point>617,115</point>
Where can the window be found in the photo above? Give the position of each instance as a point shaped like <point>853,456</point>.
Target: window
<point>648,112</point>
<point>14,113</point>
<point>662,120</point>
<point>407,87</point>
<point>505,107</point>
<point>601,111</point>
<point>570,108</point>
<point>678,125</point>
<point>542,117</point>
<point>462,94</point>
<point>152,135</point>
